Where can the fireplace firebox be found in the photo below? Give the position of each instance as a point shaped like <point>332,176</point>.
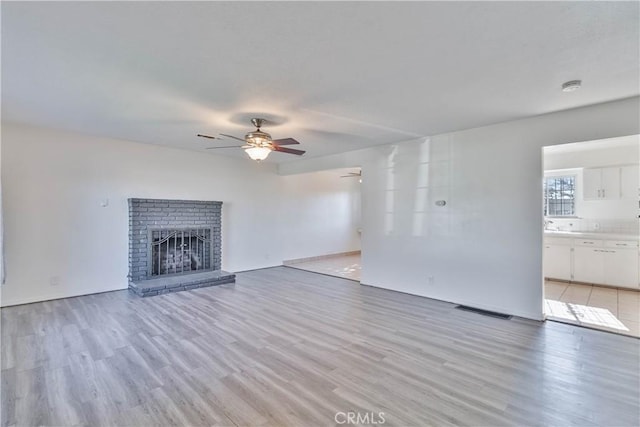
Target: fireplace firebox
<point>176,251</point>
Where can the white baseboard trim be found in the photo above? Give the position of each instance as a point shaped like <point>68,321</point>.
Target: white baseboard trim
<point>10,303</point>
<point>538,317</point>
<point>317,258</point>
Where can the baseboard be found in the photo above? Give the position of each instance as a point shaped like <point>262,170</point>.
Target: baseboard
<point>34,300</point>
<point>529,316</point>
<point>318,272</point>
<point>575,282</point>
<point>317,258</point>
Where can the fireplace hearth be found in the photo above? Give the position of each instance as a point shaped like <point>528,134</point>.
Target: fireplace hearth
<point>174,245</point>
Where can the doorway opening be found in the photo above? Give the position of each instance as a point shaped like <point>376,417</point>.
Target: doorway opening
<point>591,259</point>
<point>325,206</point>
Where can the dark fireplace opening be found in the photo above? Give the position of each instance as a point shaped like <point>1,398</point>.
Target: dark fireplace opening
<point>177,251</point>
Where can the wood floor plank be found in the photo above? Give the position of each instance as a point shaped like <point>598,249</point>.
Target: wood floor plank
<point>8,398</point>
<point>287,347</point>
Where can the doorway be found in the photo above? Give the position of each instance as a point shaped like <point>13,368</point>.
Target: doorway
<point>591,261</point>
<point>325,207</point>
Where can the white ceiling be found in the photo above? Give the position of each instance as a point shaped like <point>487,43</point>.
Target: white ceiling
<point>335,76</point>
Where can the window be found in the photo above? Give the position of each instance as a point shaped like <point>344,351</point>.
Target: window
<point>560,195</point>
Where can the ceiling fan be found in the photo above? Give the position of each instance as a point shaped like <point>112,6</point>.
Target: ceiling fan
<point>259,144</point>
<point>352,174</point>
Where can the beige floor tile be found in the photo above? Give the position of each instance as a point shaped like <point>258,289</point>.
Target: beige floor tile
<point>601,292</point>
<point>595,307</point>
<point>628,299</point>
<point>634,327</point>
<point>631,315</point>
<point>554,290</point>
<point>630,296</point>
<point>576,294</point>
<point>612,307</point>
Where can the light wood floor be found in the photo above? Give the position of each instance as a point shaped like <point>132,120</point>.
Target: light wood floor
<point>288,347</point>
<point>597,307</point>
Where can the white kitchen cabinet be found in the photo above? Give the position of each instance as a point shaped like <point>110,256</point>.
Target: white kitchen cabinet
<point>630,182</point>
<point>601,183</point>
<point>611,183</point>
<point>599,261</point>
<point>557,261</point>
<point>621,267</point>
<point>591,183</point>
<point>588,264</point>
<point>608,263</point>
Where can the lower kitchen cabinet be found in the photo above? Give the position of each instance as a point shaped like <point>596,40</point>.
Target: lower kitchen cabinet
<point>615,267</point>
<point>557,261</point>
<point>621,267</point>
<point>588,265</point>
<point>605,262</point>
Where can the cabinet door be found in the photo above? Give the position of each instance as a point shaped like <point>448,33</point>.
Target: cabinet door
<point>588,265</point>
<point>630,182</point>
<point>621,267</point>
<point>591,183</point>
<point>557,262</point>
<point>610,183</point>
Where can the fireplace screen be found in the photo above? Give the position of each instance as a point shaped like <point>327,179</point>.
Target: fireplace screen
<point>180,251</point>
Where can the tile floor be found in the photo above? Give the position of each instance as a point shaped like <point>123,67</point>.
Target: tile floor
<point>597,307</point>
<point>347,267</point>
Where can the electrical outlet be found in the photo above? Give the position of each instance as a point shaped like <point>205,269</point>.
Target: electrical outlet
<point>596,226</point>
<point>54,280</point>
<point>431,280</point>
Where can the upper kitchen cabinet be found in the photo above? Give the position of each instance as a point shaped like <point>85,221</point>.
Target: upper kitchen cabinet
<point>630,182</point>
<point>602,183</point>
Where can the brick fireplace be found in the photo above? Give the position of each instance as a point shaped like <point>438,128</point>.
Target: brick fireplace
<point>174,245</point>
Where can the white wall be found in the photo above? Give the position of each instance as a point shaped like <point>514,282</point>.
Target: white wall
<point>484,174</point>
<point>53,185</point>
<point>321,214</point>
<point>56,229</point>
<point>1,222</point>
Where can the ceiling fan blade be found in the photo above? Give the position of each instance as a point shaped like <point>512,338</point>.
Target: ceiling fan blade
<point>207,136</point>
<point>284,141</point>
<point>226,146</point>
<point>233,137</point>
<point>288,150</point>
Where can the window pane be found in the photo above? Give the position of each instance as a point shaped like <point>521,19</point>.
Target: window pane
<point>559,195</point>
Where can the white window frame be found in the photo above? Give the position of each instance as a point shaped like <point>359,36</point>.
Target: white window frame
<point>574,173</point>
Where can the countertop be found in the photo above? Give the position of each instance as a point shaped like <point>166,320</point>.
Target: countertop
<point>591,235</point>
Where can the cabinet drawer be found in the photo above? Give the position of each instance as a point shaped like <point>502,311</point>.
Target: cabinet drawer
<point>621,244</point>
<point>587,242</point>
<point>557,241</point>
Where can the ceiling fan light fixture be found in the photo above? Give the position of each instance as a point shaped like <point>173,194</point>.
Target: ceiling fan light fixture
<point>258,153</point>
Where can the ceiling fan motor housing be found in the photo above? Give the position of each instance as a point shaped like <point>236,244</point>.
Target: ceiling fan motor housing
<point>257,137</point>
